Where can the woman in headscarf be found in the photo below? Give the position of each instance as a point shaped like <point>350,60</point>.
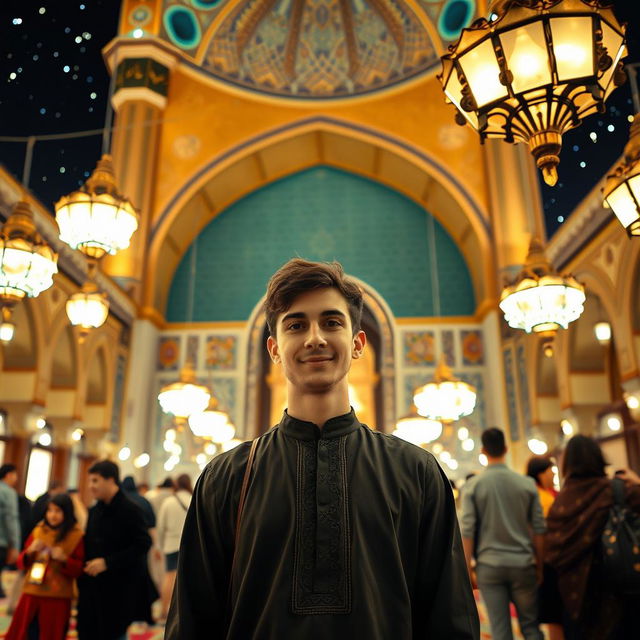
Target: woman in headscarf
<point>575,524</point>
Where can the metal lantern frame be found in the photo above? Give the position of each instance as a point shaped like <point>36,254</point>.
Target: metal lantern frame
<point>86,217</point>
<point>525,303</point>
<point>27,263</point>
<point>541,113</point>
<point>622,187</point>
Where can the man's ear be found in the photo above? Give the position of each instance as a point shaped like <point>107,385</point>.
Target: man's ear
<point>359,341</point>
<point>272,348</point>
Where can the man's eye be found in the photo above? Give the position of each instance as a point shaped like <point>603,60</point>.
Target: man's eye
<point>334,323</point>
<point>294,326</point>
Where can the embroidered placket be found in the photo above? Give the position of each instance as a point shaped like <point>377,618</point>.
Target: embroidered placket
<point>322,567</point>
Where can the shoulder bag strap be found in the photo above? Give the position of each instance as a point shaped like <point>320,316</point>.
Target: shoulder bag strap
<point>175,495</point>
<point>243,495</point>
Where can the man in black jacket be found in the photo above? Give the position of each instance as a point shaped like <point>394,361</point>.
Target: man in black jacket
<point>116,545</point>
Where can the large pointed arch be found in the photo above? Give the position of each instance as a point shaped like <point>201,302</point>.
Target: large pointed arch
<point>301,145</point>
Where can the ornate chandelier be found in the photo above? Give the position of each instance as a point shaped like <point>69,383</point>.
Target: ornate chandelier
<point>87,309</point>
<point>541,300</point>
<point>622,188</point>
<point>97,219</point>
<point>186,396</point>
<point>533,71</point>
<point>445,398</point>
<point>27,263</point>
<point>417,429</point>
<point>212,423</point>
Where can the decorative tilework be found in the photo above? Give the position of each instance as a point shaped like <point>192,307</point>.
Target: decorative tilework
<point>411,381</point>
<point>472,347</point>
<point>523,388</point>
<point>319,48</point>
<point>168,353</point>
<point>448,348</point>
<point>225,390</point>
<point>228,288</point>
<point>419,348</point>
<point>220,352</point>
<point>510,384</point>
<point>193,345</point>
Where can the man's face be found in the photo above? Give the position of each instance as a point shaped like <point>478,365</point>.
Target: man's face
<point>101,488</point>
<point>314,341</point>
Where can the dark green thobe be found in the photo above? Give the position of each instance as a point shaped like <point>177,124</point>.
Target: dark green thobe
<point>346,532</point>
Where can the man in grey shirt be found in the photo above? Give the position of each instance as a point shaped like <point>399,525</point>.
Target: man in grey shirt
<point>502,524</point>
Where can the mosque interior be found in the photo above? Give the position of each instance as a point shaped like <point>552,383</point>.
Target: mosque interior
<point>247,132</point>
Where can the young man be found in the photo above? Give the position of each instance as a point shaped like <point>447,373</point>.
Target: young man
<point>500,508</point>
<point>116,544</point>
<point>346,532</point>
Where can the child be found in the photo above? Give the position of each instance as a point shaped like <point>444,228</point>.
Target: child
<point>52,558</point>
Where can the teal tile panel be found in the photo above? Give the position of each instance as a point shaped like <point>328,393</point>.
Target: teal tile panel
<point>378,235</point>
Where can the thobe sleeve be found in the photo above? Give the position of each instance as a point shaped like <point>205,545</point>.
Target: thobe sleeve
<point>138,538</point>
<point>445,597</point>
<point>199,598</point>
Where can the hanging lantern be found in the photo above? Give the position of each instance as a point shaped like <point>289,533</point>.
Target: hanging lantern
<point>540,300</point>
<point>27,263</point>
<point>417,429</point>
<point>622,188</point>
<point>445,398</point>
<point>97,219</point>
<point>212,423</point>
<point>186,396</point>
<point>87,309</point>
<point>533,71</point>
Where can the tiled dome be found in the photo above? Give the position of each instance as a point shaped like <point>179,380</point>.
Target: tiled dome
<point>313,48</point>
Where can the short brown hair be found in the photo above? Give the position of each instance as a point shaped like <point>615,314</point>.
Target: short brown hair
<point>299,276</point>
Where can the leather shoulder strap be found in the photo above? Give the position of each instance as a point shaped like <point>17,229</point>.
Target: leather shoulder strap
<point>243,495</point>
<point>243,490</point>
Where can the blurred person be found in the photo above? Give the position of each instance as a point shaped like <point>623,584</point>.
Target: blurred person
<point>500,509</point>
<point>148,593</point>
<point>10,522</point>
<point>116,545</point>
<point>41,504</point>
<point>143,489</point>
<point>79,508</point>
<point>170,523</point>
<point>575,524</point>
<point>156,497</point>
<point>52,558</point>
<point>131,491</point>
<point>346,531</point>
<point>160,493</point>
<point>550,611</point>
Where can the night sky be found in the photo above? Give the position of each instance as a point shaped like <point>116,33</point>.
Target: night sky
<point>54,81</point>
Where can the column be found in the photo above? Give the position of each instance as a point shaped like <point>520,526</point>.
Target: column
<point>139,98</point>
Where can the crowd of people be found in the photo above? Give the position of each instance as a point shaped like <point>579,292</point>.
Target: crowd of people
<point>115,559</point>
<point>525,544</point>
<point>542,550</point>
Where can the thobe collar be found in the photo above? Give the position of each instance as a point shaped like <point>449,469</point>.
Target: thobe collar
<point>333,428</point>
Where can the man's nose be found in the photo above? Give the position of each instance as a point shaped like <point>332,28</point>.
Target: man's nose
<point>315,337</point>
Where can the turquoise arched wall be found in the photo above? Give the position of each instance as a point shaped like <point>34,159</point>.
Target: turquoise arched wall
<point>377,234</point>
